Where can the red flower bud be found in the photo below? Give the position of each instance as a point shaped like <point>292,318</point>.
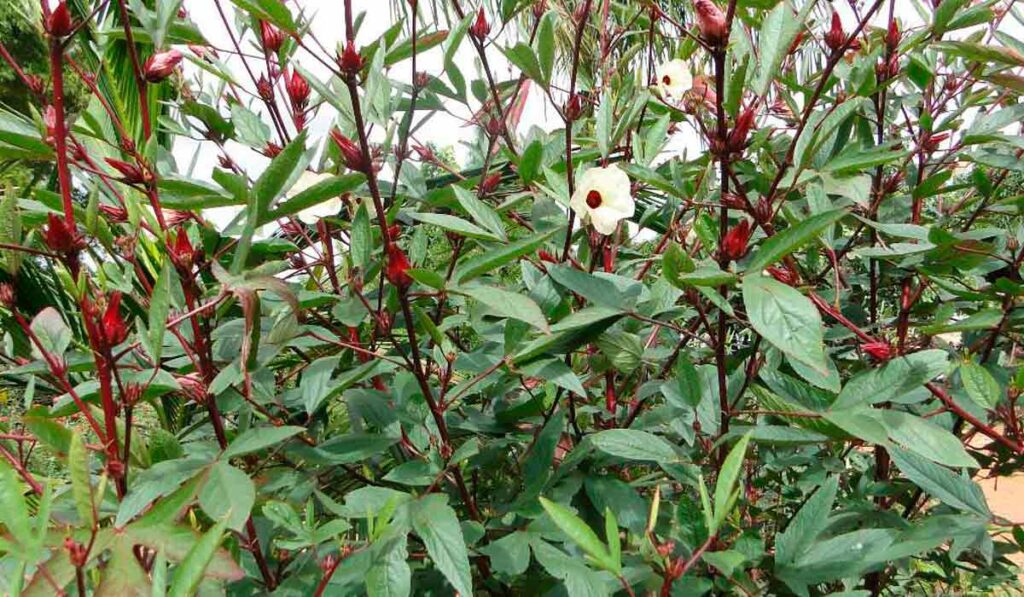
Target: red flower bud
<point>61,237</point>
<point>539,8</point>
<point>394,231</point>
<point>931,142</point>
<point>271,37</point>
<point>298,90</point>
<point>734,245</point>
<point>398,267</point>
<point>77,553</point>
<point>711,22</point>
<point>112,325</point>
<point>58,24</point>
<point>573,107</point>
<point>421,80</point>
<point>182,251</point>
<point>738,137</point>
<point>881,351</point>
<point>797,41</point>
<point>545,256</point>
<point>272,150</point>
<point>893,36</point>
<point>480,27</point>
<point>7,297</point>
<point>490,182</point>
<point>265,89</point>
<point>130,173</point>
<point>115,214</point>
<point>784,275</point>
<point>350,61</point>
<point>836,37</point>
<point>351,154</point>
<point>159,66</point>
<point>425,154</point>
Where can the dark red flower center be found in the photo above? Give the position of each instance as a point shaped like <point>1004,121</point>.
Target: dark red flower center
<point>666,80</point>
<point>594,199</point>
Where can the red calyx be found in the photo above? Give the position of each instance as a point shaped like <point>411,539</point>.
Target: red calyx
<point>711,22</point>
<point>58,24</point>
<point>112,325</point>
<point>893,36</point>
<point>881,351</point>
<point>351,154</point>
<point>738,137</point>
<point>115,214</point>
<point>182,251</point>
<point>130,173</point>
<point>480,27</point>
<point>159,66</point>
<point>271,36</point>
<point>836,37</point>
<point>490,182</point>
<point>350,61</point>
<point>61,237</point>
<point>298,90</point>
<point>784,275</point>
<point>734,245</point>
<point>573,107</point>
<point>265,89</point>
<point>398,267</point>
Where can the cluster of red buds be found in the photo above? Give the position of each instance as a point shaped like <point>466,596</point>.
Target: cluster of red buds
<point>480,27</point>
<point>271,37</point>
<point>78,554</point>
<point>159,66</point>
<point>734,245</point>
<point>350,61</point>
<point>711,22</point>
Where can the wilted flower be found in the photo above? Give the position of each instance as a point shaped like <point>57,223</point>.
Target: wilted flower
<point>159,66</point>
<point>734,245</point>
<point>603,197</point>
<point>480,27</point>
<point>312,214</point>
<point>711,22</point>
<point>674,78</point>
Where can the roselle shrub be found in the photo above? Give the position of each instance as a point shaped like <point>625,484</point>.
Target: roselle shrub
<point>575,360</point>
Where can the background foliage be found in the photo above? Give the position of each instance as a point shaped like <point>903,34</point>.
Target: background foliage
<point>392,372</point>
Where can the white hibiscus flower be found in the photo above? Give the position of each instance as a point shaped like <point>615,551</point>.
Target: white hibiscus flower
<point>312,214</point>
<point>674,78</point>
<point>603,198</point>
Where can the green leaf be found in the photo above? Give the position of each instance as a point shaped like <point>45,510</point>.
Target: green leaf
<point>78,470</point>
<point>456,225</point>
<point>508,304</point>
<point>611,535</point>
<point>258,438</point>
<point>580,534</point>
<point>530,161</point>
<point>894,379</point>
<point>545,44</point>
<point>981,53</point>
<point>615,293</point>
<point>522,56</point>
<point>777,32</point>
<point>159,309</point>
<point>494,257</point>
<point>954,490</point>
<point>189,573</point>
<point>361,242</point>
<point>481,213</point>
<point>631,444</point>
<point>782,244</point>
<point>603,124</point>
<point>273,181</point>
<point>227,494</point>
<point>318,193</point>
<point>786,318</point>
<point>728,479</point>
<point>807,524</point>
<point>980,385</point>
<point>509,555</point>
<point>438,527</point>
<point>268,10</point>
<point>926,439</point>
<point>249,127</point>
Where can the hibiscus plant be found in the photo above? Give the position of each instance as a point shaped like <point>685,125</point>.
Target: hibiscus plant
<point>712,297</point>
